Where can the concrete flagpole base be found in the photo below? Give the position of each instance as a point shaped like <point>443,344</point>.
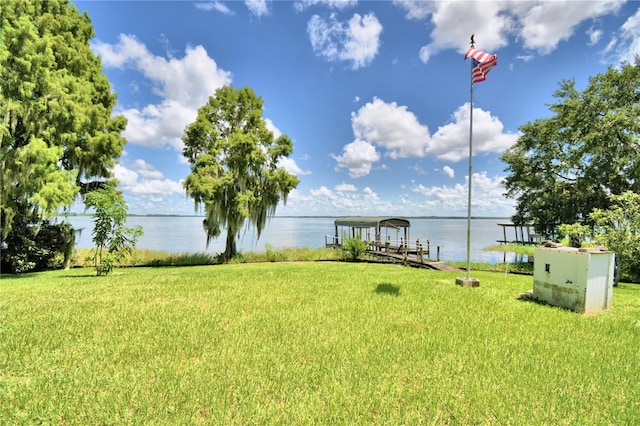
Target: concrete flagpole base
<point>468,282</point>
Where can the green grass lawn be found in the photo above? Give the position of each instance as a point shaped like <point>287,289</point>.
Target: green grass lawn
<point>301,343</point>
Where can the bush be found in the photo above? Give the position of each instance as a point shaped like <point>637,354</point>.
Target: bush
<point>34,245</point>
<point>354,248</point>
<point>576,233</point>
<point>618,228</point>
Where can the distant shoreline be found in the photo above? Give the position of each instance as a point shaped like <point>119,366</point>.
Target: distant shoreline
<point>307,217</point>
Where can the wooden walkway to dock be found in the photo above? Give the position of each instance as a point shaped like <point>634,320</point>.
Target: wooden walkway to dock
<point>411,258</point>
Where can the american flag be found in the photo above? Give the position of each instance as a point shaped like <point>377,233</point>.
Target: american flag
<point>482,64</point>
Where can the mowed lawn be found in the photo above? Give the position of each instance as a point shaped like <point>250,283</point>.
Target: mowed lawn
<point>309,343</point>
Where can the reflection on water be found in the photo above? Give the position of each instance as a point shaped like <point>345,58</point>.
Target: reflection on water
<point>180,234</point>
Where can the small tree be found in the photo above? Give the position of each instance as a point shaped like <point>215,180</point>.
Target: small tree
<point>618,228</point>
<point>353,248</point>
<point>112,238</point>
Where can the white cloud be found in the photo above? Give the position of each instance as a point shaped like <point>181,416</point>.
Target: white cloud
<point>451,141</point>
<point>258,7</point>
<point>418,168</point>
<point>323,201</point>
<point>116,56</point>
<point>453,22</point>
<point>356,41</point>
<point>595,35</point>
<point>487,194</point>
<point>448,171</point>
<point>158,125</point>
<point>164,41</point>
<point>272,128</point>
<point>363,40</point>
<point>398,133</point>
<point>290,165</point>
<point>127,178</point>
<point>391,127</point>
<point>610,46</point>
<point>540,25</point>
<point>358,158</point>
<point>417,200</point>
<point>213,5</point>
<point>487,198</point>
<point>525,58</point>
<point>345,187</point>
<point>299,6</point>
<point>627,45</point>
<point>134,87</point>
<point>416,9</point>
<point>369,193</point>
<point>143,179</point>
<point>182,84</point>
<point>545,24</point>
<point>147,171</point>
<point>323,191</point>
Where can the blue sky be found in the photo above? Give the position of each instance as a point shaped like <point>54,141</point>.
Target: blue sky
<point>374,94</point>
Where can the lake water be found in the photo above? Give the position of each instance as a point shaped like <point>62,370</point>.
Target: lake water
<point>184,234</point>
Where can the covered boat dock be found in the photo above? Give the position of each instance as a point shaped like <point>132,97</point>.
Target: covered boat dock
<point>378,230</point>
<point>388,239</point>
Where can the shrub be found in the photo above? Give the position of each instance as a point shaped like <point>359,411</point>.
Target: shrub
<point>576,232</point>
<point>34,245</point>
<point>354,248</point>
<point>618,228</point>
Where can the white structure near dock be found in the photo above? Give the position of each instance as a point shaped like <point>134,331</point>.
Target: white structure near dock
<point>576,279</point>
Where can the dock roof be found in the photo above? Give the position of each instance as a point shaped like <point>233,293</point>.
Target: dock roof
<point>373,222</point>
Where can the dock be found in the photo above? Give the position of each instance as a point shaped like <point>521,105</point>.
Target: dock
<point>524,234</point>
<point>376,230</point>
<point>412,260</point>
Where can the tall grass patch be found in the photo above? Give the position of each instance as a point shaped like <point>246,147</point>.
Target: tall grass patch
<point>146,257</point>
<point>298,343</point>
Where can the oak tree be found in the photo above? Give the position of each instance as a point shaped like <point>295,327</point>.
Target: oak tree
<point>565,166</point>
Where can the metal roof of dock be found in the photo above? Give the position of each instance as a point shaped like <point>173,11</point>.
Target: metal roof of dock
<point>372,222</point>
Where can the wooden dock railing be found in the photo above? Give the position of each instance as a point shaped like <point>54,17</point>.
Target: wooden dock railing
<point>399,249</point>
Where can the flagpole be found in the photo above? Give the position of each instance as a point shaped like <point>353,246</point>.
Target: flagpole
<point>468,281</point>
<point>470,172</point>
